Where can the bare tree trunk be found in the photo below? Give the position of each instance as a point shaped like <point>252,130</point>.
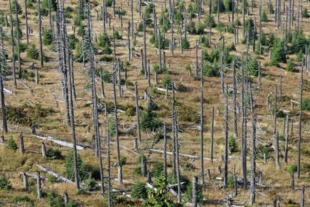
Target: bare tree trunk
<point>226,139</point>
<point>234,101</point>
<point>173,138</point>
<point>39,192</point>
<point>40,36</point>
<point>18,41</point>
<point>286,138</point>
<point>202,69</point>
<point>137,113</point>
<point>43,150</point>
<point>21,139</point>
<point>128,41</point>
<point>144,49</point>
<point>196,64</point>
<point>12,46</point>
<point>194,191</point>
<point>212,135</point>
<point>201,139</point>
<point>25,181</point>
<point>109,168</point>
<point>243,129</point>
<point>3,107</point>
<point>165,151</point>
<point>253,165</point>
<point>178,161</point>
<point>302,196</point>
<point>299,124</point>
<point>120,176</point>
<point>26,19</point>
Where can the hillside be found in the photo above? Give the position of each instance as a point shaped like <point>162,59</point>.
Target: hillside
<point>248,75</point>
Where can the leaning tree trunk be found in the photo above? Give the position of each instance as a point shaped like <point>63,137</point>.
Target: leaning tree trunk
<point>299,124</point>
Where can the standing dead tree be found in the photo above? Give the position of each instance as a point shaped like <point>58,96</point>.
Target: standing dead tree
<point>299,124</point>
<point>137,113</point>
<point>226,139</point>
<point>253,162</point>
<point>2,97</point>
<point>201,139</point>
<point>40,31</point>
<point>212,135</point>
<point>12,46</point>
<point>18,41</point>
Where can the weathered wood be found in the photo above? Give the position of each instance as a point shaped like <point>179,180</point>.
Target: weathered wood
<point>39,190</point>
<point>58,176</point>
<point>212,134</point>
<point>194,191</point>
<point>226,139</point>
<point>253,161</point>
<point>299,124</point>
<point>201,139</point>
<point>43,149</point>
<point>59,142</point>
<point>21,140</point>
<point>25,181</point>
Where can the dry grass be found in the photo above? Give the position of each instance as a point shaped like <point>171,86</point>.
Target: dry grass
<point>54,125</point>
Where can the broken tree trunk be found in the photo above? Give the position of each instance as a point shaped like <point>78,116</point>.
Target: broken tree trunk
<point>21,139</point>
<point>201,139</point>
<point>39,190</point>
<point>137,113</point>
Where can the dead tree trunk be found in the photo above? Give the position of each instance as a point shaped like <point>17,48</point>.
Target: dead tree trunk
<point>39,192</point>
<point>194,191</point>
<point>177,161</point>
<point>21,139</point>
<point>26,19</point>
<point>276,137</point>
<point>299,124</point>
<point>40,36</point>
<point>253,164</point>
<point>243,138</point>
<point>43,150</point>
<point>137,113</point>
<point>302,196</point>
<point>18,40</point>
<point>75,155</point>
<point>235,101</point>
<point>3,107</point>
<point>12,46</point>
<point>212,135</point>
<point>226,139</point>
<point>165,151</point>
<point>196,64</point>
<point>120,176</point>
<point>109,168</point>
<point>286,138</point>
<point>25,181</point>
<point>201,139</point>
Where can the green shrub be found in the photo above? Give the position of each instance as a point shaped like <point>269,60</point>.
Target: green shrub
<point>185,44</point>
<point>53,154</point>
<point>90,184</point>
<point>231,181</point>
<point>305,13</point>
<point>209,21</point>
<point>53,199</point>
<point>116,35</point>
<point>20,33</point>
<point>149,120</point>
<point>290,66</point>
<point>139,190</point>
<point>112,127</point>
<point>11,144</point>
<point>106,59</point>
<point>51,179</point>
<point>300,56</point>
<point>158,169</point>
<point>189,193</point>
<point>47,37</point>
<point>19,9</point>
<point>253,67</point>
<point>22,198</point>
<point>107,50</point>
<point>137,170</point>
<point>183,179</point>
<point>233,146</point>
<point>264,16</point>
<point>69,167</point>
<point>53,4</point>
<point>167,82</point>
<point>306,104</point>
<point>5,184</point>
<point>32,52</point>
<point>292,168</point>
<point>278,54</point>
<point>103,40</point>
<point>123,160</point>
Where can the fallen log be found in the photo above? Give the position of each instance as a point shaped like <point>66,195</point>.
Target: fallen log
<point>126,148</point>
<point>58,176</point>
<point>60,142</point>
<point>34,176</point>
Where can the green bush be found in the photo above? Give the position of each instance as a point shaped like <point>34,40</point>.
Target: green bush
<point>300,56</point>
<point>305,13</point>
<point>139,190</point>
<point>228,5</point>
<point>69,167</point>
<point>149,120</point>
<point>106,59</point>
<point>4,183</point>
<point>158,169</point>
<point>167,82</point>
<point>116,35</point>
<point>233,146</point>
<point>19,9</point>
<point>253,67</point>
<point>11,144</point>
<point>123,160</point>
<point>264,16</point>
<point>112,127</point>
<point>90,184</point>
<point>231,181</point>
<point>278,54</point>
<point>53,154</point>
<point>22,199</point>
<point>20,33</point>
<point>306,104</point>
<point>53,4</point>
<point>290,66</point>
<point>189,193</point>
<point>107,50</point>
<point>53,199</point>
<point>32,52</point>
<point>292,168</point>
<point>47,37</point>
<point>183,179</point>
<point>185,44</point>
<point>51,179</point>
<point>209,21</point>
